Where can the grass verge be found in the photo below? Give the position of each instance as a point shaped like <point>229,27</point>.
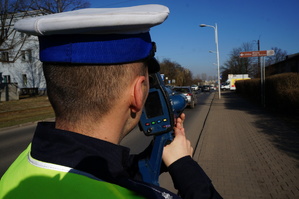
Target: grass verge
<point>26,110</point>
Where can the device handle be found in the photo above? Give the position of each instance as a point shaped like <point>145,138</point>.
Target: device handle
<point>150,167</point>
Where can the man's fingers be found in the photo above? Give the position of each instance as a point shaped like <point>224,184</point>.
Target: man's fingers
<point>183,116</point>
<point>180,121</point>
<point>179,131</point>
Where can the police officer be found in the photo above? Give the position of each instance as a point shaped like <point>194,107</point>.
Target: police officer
<point>96,64</point>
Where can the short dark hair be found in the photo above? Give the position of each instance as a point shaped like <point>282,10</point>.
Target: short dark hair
<point>84,91</point>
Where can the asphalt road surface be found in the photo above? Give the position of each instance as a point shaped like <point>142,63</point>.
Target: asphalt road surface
<point>14,140</point>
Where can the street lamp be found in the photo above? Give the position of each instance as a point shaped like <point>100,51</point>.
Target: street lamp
<point>217,53</point>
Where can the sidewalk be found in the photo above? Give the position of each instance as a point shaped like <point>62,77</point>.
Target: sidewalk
<point>248,153</point>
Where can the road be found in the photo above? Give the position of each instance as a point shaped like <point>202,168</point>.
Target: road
<point>14,140</point>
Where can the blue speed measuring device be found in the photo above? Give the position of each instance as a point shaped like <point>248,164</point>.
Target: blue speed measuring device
<point>157,119</point>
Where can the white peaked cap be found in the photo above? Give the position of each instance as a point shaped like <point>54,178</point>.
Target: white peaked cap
<point>127,20</point>
<point>97,35</point>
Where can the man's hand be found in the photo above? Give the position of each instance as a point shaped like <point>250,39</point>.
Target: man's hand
<point>180,146</point>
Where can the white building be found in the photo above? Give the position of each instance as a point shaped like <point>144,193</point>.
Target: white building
<point>19,58</point>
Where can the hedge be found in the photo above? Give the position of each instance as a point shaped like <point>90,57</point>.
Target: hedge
<point>281,91</point>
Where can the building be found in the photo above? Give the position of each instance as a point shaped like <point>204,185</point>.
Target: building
<point>290,64</point>
<point>19,63</point>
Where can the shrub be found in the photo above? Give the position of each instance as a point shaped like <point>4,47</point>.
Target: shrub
<point>281,91</point>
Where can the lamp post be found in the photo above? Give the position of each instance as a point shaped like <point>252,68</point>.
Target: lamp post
<point>217,54</point>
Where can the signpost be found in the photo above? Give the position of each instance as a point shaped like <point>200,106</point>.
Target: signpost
<point>262,53</point>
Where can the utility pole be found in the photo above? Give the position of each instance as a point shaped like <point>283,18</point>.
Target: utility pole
<point>217,54</point>
<point>259,58</point>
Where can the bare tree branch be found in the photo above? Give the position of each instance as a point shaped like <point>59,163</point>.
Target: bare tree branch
<point>280,55</point>
<point>57,6</point>
<point>12,10</point>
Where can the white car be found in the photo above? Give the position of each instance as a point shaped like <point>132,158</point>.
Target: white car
<point>194,87</point>
<point>225,86</point>
<point>189,93</point>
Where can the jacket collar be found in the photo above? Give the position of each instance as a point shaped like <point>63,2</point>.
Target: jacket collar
<point>102,159</point>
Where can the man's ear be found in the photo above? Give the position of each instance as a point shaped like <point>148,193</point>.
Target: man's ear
<point>139,95</point>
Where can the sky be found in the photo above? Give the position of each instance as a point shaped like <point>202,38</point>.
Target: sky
<point>275,23</point>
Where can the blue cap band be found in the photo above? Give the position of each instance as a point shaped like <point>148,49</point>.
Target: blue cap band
<point>95,49</point>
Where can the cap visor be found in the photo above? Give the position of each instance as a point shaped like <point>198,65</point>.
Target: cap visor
<point>153,66</point>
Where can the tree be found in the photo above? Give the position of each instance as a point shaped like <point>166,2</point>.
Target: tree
<point>204,77</point>
<point>174,71</point>
<point>168,69</point>
<point>8,41</point>
<point>237,65</point>
<point>280,55</point>
<point>12,10</point>
<point>15,45</point>
<point>196,80</point>
<point>55,6</point>
<point>183,76</point>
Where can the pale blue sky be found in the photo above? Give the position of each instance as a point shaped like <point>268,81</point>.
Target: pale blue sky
<point>274,22</point>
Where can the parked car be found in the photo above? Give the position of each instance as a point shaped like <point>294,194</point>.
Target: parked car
<point>205,88</point>
<point>225,86</point>
<point>171,92</point>
<point>194,87</point>
<point>212,88</point>
<point>189,93</point>
<point>199,88</point>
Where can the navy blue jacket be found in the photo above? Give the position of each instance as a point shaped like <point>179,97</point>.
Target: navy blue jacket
<point>113,163</point>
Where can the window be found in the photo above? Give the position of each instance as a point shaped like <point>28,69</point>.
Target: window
<point>26,55</point>
<point>23,55</point>
<point>6,79</point>
<point>29,55</point>
<point>24,76</point>
<point>4,57</point>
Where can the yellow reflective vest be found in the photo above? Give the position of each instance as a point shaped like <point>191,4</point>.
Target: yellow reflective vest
<point>30,178</point>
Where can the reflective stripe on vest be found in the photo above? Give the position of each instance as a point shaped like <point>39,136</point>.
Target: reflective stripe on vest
<point>30,178</point>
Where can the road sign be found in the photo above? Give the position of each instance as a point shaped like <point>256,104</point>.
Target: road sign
<point>261,53</point>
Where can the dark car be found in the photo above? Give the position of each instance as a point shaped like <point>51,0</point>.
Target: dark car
<point>205,88</point>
